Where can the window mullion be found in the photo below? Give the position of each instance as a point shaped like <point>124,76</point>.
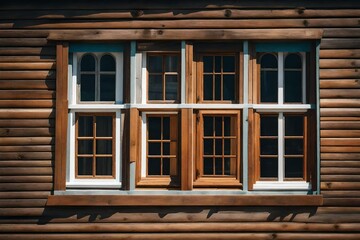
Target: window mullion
<point>281,78</point>
<point>281,165</point>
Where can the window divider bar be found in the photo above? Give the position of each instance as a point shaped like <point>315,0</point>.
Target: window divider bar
<point>183,72</point>
<point>281,165</point>
<point>133,72</point>
<point>245,115</point>
<point>281,78</point>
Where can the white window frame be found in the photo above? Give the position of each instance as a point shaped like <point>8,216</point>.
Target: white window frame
<point>94,107</point>
<point>280,108</point>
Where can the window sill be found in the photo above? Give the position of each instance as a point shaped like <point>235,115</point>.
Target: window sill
<point>185,200</point>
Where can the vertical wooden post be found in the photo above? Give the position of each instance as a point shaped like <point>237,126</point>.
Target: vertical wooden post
<point>187,154</point>
<point>190,86</point>
<point>134,146</point>
<point>61,115</point>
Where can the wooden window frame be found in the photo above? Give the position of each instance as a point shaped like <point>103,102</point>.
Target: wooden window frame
<point>166,181</point>
<point>163,74</point>
<point>94,138</point>
<point>201,180</point>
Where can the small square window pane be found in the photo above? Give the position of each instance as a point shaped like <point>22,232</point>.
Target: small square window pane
<point>166,166</point>
<point>171,64</point>
<point>87,87</point>
<point>218,166</point>
<point>218,147</point>
<point>208,147</point>
<point>294,168</point>
<point>229,63</point>
<point>208,166</point>
<point>208,64</point>
<point>269,86</point>
<point>85,166</point>
<point>166,128</point>
<point>154,148</point>
<point>268,146</point>
<point>208,126</point>
<point>227,126</point>
<point>154,128</point>
<point>104,146</point>
<point>107,87</point>
<point>218,64</point>
<point>268,167</point>
<point>104,127</point>
<point>218,87</point>
<point>166,148</point>
<point>218,126</point>
<point>227,165</point>
<point>85,146</point>
<point>294,125</point>
<point>227,146</point>
<point>155,64</point>
<point>294,146</point>
<point>208,87</point>
<point>155,87</point>
<point>154,166</point>
<point>171,87</point>
<point>85,126</point>
<point>229,87</point>
<point>269,126</point>
<point>293,86</point>
<point>104,166</point>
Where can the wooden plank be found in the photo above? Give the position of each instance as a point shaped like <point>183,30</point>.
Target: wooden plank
<point>26,155</point>
<point>339,170</point>
<point>27,94</point>
<point>134,136</point>
<point>185,34</point>
<point>26,186</point>
<point>47,103</point>
<point>22,203</point>
<point>23,42</point>
<point>340,142</point>
<point>186,148</point>
<point>341,32</point>
<point>337,156</point>
<point>340,125</point>
<point>340,53</point>
<point>340,185</point>
<point>333,149</point>
<point>10,171</point>
<point>37,58</point>
<point>340,163</point>
<point>26,179</point>
<point>339,73</point>
<point>26,113</point>
<point>339,93</point>
<point>341,201</point>
<point>336,112</point>
<point>27,123</point>
<point>26,51</point>
<point>340,178</point>
<point>24,33</point>
<point>21,212</point>
<point>340,194</point>
<point>339,83</point>
<point>26,132</point>
<point>336,43</point>
<point>20,195</point>
<point>20,141</point>
<point>27,84</point>
<point>21,75</point>
<point>27,66</point>
<point>35,148</point>
<point>27,163</point>
<point>333,103</point>
<point>184,200</point>
<point>339,63</point>
<point>339,133</point>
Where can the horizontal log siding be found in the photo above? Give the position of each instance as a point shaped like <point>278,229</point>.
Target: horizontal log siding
<point>27,101</point>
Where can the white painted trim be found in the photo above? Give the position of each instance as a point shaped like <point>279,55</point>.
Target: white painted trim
<point>143,144</point>
<point>143,77</point>
<point>133,72</point>
<point>286,185</point>
<point>281,130</point>
<point>183,69</point>
<point>280,78</point>
<point>97,107</point>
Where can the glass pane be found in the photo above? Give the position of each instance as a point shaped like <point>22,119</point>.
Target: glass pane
<point>269,126</point>
<point>87,87</point>
<point>166,166</point>
<point>154,127</point>
<point>107,63</point>
<point>154,148</point>
<point>104,146</point>
<point>155,87</point>
<point>269,86</point>
<point>104,126</point>
<point>208,64</point>
<point>208,126</point>
<point>154,166</point>
<point>218,126</point>
<point>218,64</point>
<point>107,87</point>
<point>208,87</point>
<point>85,126</point>
<point>104,166</point>
<point>85,166</point>
<point>294,146</point>
<point>155,64</point>
<point>227,126</point>
<point>227,164</point>
<point>229,87</point>
<point>294,126</point>
<point>218,147</point>
<point>166,148</point>
<point>268,167</point>
<point>218,87</point>
<point>85,146</point>
<point>293,86</point>
<point>294,168</point>
<point>269,61</point>
<point>171,87</point>
<point>171,63</point>
<point>208,166</point>
<point>218,166</point>
<point>268,146</point>
<point>293,61</point>
<point>166,128</point>
<point>229,63</point>
<point>208,147</point>
<point>227,146</point>
<point>87,63</point>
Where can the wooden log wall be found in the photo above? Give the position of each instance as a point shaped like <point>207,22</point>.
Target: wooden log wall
<point>27,100</point>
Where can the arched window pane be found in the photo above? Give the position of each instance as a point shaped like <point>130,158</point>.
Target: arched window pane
<point>293,61</point>
<point>107,63</point>
<point>87,63</point>
<point>269,61</point>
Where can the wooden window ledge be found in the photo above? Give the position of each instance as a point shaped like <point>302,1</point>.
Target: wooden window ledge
<point>185,200</point>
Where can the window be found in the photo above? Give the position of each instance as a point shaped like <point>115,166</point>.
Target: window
<point>283,159</point>
<point>95,102</point>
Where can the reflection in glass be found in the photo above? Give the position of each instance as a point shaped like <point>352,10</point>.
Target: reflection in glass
<point>104,166</point>
<point>85,126</point>
<point>155,87</point>
<point>227,163</point>
<point>104,146</point>
<point>171,63</point>
<point>171,87</point>
<point>104,126</point>
<point>85,166</point>
<point>85,146</point>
